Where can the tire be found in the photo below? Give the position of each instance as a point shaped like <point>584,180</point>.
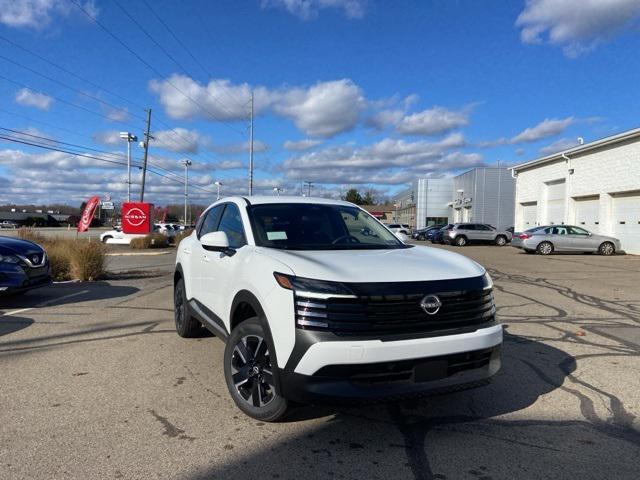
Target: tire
<point>106,239</point>
<point>186,325</point>
<point>545,248</point>
<point>421,237</point>
<point>606,248</point>
<point>460,241</point>
<point>250,373</point>
<point>501,240</point>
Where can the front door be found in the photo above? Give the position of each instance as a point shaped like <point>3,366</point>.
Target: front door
<point>218,268</point>
<point>199,256</point>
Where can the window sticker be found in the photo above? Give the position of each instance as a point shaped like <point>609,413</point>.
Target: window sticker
<point>276,236</point>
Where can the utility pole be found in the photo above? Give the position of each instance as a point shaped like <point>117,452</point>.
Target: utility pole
<point>309,187</point>
<point>147,137</point>
<point>187,164</point>
<point>218,184</point>
<point>251,149</point>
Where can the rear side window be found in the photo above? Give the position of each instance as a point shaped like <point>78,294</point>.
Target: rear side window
<point>210,221</point>
<point>231,224</point>
<point>467,227</point>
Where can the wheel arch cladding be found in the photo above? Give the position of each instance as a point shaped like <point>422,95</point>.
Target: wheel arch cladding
<point>177,274</point>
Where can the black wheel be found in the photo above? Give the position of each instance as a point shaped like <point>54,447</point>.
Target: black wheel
<point>106,239</point>
<point>606,248</point>
<point>186,325</point>
<point>460,241</point>
<point>249,372</point>
<point>420,237</point>
<point>545,248</point>
<point>501,240</point>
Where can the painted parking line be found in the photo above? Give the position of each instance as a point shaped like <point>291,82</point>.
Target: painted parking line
<point>43,304</point>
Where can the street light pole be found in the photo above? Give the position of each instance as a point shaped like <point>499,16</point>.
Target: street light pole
<point>187,164</point>
<point>129,137</point>
<point>251,149</point>
<point>217,184</point>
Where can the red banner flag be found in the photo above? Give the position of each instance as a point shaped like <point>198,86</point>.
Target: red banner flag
<point>87,214</point>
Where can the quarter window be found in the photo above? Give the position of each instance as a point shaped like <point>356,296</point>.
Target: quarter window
<point>210,221</point>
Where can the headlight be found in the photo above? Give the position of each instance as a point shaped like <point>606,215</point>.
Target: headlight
<point>9,259</point>
<point>315,288</point>
<point>488,282</point>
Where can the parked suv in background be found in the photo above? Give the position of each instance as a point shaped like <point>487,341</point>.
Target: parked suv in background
<point>316,300</point>
<point>23,266</point>
<point>423,233</point>
<point>400,228</point>
<point>461,234</point>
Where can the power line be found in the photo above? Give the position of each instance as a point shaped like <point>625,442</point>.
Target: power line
<point>147,64</point>
<point>176,178</point>
<point>193,57</point>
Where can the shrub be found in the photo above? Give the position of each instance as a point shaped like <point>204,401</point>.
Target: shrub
<point>153,240</point>
<point>87,260</point>
<point>60,260</point>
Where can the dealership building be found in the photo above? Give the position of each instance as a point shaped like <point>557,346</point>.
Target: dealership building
<point>482,195</point>
<point>595,186</point>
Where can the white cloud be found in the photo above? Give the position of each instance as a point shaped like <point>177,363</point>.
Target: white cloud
<point>184,98</point>
<point>241,147</point>
<point>546,128</point>
<point>577,26</point>
<point>181,140</point>
<point>309,9</point>
<point>110,138</point>
<point>389,161</point>
<point>559,145</point>
<point>433,121</point>
<point>324,109</point>
<point>118,115</point>
<point>29,98</point>
<point>38,13</point>
<point>301,145</point>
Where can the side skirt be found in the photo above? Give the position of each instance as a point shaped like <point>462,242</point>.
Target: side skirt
<point>210,320</point>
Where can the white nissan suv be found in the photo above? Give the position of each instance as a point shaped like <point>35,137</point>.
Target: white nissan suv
<point>317,301</point>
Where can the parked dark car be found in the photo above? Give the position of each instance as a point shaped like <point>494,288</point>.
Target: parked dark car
<point>23,266</point>
<point>438,235</point>
<point>423,233</point>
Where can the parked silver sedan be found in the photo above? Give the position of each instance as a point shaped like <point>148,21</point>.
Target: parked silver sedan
<point>564,238</point>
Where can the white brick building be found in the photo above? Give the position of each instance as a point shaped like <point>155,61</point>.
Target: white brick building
<point>595,185</point>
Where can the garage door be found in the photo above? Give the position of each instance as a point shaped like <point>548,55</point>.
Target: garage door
<point>626,221</point>
<point>555,202</point>
<point>529,215</point>
<point>587,213</point>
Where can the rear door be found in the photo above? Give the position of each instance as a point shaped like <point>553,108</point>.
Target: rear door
<point>560,238</point>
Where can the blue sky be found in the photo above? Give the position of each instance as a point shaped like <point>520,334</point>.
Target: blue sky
<point>358,93</point>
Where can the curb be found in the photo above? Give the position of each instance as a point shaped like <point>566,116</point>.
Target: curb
<point>130,254</point>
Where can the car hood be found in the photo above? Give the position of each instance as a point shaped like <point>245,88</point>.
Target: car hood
<point>18,246</point>
<point>359,266</point>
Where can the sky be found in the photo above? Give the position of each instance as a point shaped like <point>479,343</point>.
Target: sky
<point>347,93</point>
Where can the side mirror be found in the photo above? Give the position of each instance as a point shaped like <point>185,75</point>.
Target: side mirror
<point>215,242</point>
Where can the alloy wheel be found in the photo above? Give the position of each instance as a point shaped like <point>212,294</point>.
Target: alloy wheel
<point>252,372</point>
<point>545,248</point>
<point>606,248</point>
<point>178,310</point>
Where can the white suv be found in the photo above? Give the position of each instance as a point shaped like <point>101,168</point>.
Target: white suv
<point>318,301</point>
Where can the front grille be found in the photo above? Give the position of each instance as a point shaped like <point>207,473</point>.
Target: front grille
<point>395,313</point>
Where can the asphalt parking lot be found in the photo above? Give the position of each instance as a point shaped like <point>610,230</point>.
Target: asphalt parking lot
<point>96,384</point>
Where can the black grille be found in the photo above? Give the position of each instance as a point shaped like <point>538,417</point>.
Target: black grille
<point>396,313</point>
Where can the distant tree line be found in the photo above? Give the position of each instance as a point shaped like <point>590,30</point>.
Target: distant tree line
<point>354,196</point>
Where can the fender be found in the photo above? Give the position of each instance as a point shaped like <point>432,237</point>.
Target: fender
<point>245,296</point>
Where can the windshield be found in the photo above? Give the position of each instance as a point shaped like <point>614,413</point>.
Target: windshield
<point>307,226</point>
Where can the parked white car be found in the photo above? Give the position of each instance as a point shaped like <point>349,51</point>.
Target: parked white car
<point>8,224</point>
<point>400,228</point>
<point>316,300</point>
<point>118,237</point>
<point>166,229</point>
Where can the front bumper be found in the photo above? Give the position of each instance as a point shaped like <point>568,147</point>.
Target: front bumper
<point>14,279</point>
<point>342,370</point>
